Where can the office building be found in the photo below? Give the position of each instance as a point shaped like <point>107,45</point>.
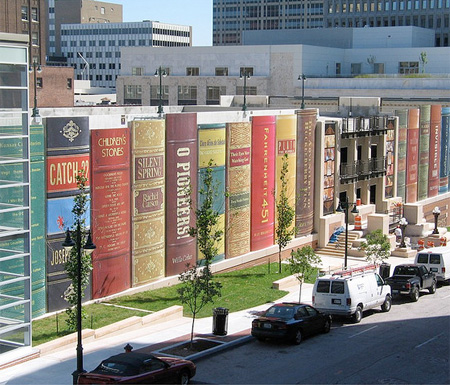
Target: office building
<point>231,18</point>
<point>94,50</point>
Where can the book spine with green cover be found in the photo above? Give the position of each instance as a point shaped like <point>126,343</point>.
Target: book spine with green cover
<point>401,153</point>
<point>424,151</point>
<point>435,150</point>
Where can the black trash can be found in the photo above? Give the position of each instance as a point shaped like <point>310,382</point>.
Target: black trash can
<point>385,270</point>
<point>220,321</point>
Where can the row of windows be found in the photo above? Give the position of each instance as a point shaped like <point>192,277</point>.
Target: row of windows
<point>123,31</point>
<point>195,71</point>
<point>90,55</point>
<point>418,21</point>
<point>111,43</point>
<point>387,5</point>
<point>108,78</point>
<point>101,66</point>
<point>34,13</point>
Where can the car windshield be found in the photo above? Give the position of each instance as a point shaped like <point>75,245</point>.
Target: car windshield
<point>284,312</point>
<point>116,369</point>
<point>406,270</point>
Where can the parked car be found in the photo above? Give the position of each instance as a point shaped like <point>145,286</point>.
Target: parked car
<point>350,292</point>
<point>140,368</point>
<point>409,279</point>
<point>437,260</point>
<point>290,321</point>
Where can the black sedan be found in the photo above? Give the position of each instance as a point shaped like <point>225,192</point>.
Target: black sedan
<point>290,321</point>
<point>140,368</point>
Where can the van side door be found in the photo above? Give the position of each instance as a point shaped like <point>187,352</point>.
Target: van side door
<point>381,290</point>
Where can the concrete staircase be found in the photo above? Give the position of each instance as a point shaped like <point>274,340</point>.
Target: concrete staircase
<point>337,249</point>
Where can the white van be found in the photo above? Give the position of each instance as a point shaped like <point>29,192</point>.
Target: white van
<point>350,292</point>
<point>437,260</point>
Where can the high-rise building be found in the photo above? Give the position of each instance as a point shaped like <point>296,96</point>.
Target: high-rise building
<point>78,12</point>
<point>26,17</point>
<point>230,18</point>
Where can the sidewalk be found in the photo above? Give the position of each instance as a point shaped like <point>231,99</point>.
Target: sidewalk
<point>56,367</point>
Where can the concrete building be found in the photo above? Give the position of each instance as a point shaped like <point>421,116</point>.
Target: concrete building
<point>202,75</point>
<point>78,12</point>
<point>15,203</point>
<point>26,17</point>
<point>94,50</point>
<point>231,18</point>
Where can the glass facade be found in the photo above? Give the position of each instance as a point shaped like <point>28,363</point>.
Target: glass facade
<point>15,256</point>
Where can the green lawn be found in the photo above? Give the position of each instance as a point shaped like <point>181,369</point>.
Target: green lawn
<point>241,289</point>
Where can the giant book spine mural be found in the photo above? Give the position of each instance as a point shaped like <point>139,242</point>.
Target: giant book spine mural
<point>286,134</point>
<point>263,182</point>
<point>444,171</point>
<point>329,159</point>
<point>424,151</point>
<point>67,154</point>
<point>412,155</point>
<point>306,124</point>
<point>435,150</point>
<point>211,147</point>
<point>181,191</point>
<point>147,202</point>
<point>390,158</point>
<point>110,202</point>
<point>239,137</point>
<point>401,152</point>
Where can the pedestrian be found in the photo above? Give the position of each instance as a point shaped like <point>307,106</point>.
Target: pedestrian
<point>398,234</point>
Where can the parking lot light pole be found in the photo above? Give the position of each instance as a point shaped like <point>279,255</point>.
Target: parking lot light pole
<point>403,223</point>
<point>245,75</point>
<point>343,207</point>
<point>436,213</point>
<point>35,68</point>
<point>88,248</point>
<point>161,72</point>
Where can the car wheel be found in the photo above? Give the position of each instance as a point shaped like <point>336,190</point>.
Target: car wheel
<point>357,317</point>
<point>326,326</point>
<point>298,337</point>
<point>432,289</point>
<point>387,304</point>
<point>414,294</point>
<point>184,378</point>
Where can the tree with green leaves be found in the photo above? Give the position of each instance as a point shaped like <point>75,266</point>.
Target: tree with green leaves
<point>423,59</point>
<point>301,264</point>
<point>198,287</point>
<point>377,247</point>
<point>79,211</point>
<point>285,230</point>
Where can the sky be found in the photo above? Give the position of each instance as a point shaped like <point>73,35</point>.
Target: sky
<point>196,13</point>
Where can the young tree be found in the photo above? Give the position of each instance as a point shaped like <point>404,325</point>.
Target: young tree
<point>423,59</point>
<point>79,211</point>
<point>376,247</point>
<point>198,287</point>
<point>302,263</point>
<point>285,212</point>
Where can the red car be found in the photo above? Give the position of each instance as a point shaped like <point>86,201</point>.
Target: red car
<point>140,368</point>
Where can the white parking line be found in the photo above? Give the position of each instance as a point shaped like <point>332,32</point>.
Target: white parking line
<point>447,296</point>
<point>431,339</point>
<point>357,334</point>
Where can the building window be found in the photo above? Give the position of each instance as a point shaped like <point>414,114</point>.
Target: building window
<point>213,94</point>
<point>117,53</point>
<point>192,71</point>
<point>24,13</point>
<point>70,55</point>
<point>112,43</point>
<point>34,14</point>
<point>98,77</point>
<point>69,83</point>
<point>338,68</point>
<point>92,43</point>
<point>83,43</point>
<point>102,43</point>
<point>137,71</point>
<point>99,54</point>
<point>247,70</point>
<point>378,68</point>
<point>131,43</point>
<point>35,38</point>
<point>221,71</point>
<point>39,83</point>
<point>187,95</point>
<point>250,90</point>
<point>108,54</point>
<point>102,10</point>
<point>356,68</point>
<point>408,67</point>
<point>112,66</point>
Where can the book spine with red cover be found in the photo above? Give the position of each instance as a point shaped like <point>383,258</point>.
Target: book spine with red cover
<point>239,137</point>
<point>148,183</point>
<point>401,153</point>
<point>181,178</point>
<point>110,202</point>
<point>424,151</point>
<point>412,155</point>
<point>435,150</point>
<point>304,212</point>
<point>263,182</point>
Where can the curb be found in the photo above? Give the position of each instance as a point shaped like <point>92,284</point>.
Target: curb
<point>225,346</point>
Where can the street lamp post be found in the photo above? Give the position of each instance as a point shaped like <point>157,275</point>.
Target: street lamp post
<point>302,77</point>
<point>436,213</point>
<point>35,68</point>
<point>403,223</point>
<point>88,248</point>
<point>245,75</point>
<point>343,207</point>
<point>161,72</point>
